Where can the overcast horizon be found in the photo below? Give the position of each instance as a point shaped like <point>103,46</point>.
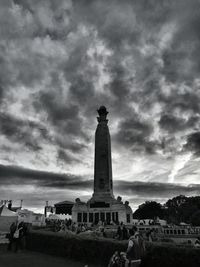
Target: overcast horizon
<point>59,62</point>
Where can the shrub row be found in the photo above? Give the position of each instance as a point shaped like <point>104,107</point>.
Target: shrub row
<point>171,256</point>
<point>96,251</point>
<point>99,251</point>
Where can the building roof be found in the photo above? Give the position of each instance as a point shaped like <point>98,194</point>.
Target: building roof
<point>64,203</point>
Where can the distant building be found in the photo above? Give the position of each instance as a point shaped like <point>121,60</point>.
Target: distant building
<point>28,216</point>
<point>102,206</point>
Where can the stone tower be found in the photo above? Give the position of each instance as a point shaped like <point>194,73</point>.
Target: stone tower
<point>103,185</point>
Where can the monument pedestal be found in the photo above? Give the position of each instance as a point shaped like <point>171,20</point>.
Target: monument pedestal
<point>113,212</point>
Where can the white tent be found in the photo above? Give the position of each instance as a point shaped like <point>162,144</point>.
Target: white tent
<point>7,217</point>
<point>4,211</point>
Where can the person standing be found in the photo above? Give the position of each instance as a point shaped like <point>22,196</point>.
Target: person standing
<point>13,228</point>
<point>119,233</point>
<point>135,250</point>
<point>124,233</point>
<point>18,236</point>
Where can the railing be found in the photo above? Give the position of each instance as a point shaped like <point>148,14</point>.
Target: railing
<point>170,230</point>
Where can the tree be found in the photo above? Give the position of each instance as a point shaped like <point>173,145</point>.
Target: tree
<point>149,210</point>
<point>183,209</point>
<point>195,218</point>
<point>173,209</point>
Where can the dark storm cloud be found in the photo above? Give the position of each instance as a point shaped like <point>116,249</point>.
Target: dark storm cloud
<point>185,101</point>
<point>13,175</point>
<point>24,25</point>
<point>134,134</point>
<point>74,146</point>
<point>1,93</point>
<point>65,121</point>
<point>144,67</point>
<point>26,132</point>
<point>119,85</point>
<point>57,112</point>
<point>162,190</point>
<point>122,26</point>
<point>181,61</point>
<point>66,157</point>
<point>173,124</point>
<point>136,20</point>
<point>193,143</point>
<point>112,24</point>
<point>48,17</point>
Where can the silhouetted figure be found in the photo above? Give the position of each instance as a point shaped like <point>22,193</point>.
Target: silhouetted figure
<point>149,235</point>
<point>119,233</point>
<point>17,237</point>
<point>13,228</point>
<point>124,233</point>
<point>135,250</point>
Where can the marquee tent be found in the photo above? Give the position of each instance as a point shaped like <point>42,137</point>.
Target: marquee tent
<point>7,217</point>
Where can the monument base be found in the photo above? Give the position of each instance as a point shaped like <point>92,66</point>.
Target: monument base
<point>94,211</point>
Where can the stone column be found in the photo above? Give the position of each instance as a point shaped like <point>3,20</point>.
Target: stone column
<point>103,187</point>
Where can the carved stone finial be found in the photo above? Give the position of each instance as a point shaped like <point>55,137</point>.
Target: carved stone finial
<point>102,114</point>
<point>77,200</point>
<point>119,199</point>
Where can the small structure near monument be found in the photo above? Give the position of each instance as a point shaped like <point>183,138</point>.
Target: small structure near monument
<point>102,206</point>
<point>64,207</point>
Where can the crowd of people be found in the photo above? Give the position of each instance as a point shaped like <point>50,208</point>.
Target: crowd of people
<point>66,225</point>
<point>122,232</point>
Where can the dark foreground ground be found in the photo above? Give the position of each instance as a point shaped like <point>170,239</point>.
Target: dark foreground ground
<point>34,259</point>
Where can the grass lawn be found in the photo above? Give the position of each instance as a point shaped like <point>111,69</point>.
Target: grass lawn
<point>35,259</point>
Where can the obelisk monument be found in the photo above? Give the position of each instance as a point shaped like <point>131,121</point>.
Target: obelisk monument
<point>103,184</point>
<point>102,206</point>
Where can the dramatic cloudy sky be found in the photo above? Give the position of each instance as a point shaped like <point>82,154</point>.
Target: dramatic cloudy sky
<point>61,60</point>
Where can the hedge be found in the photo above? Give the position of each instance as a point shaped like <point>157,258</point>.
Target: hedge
<point>91,250</point>
<point>99,251</point>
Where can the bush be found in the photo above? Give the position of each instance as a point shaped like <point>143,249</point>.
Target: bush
<point>99,251</point>
<point>171,256</point>
<point>3,248</point>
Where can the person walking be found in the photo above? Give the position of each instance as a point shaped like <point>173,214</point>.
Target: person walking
<point>135,250</point>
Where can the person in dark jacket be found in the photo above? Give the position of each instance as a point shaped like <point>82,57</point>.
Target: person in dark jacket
<point>17,237</point>
<point>135,250</point>
<point>119,233</point>
<point>124,233</point>
<point>13,228</point>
